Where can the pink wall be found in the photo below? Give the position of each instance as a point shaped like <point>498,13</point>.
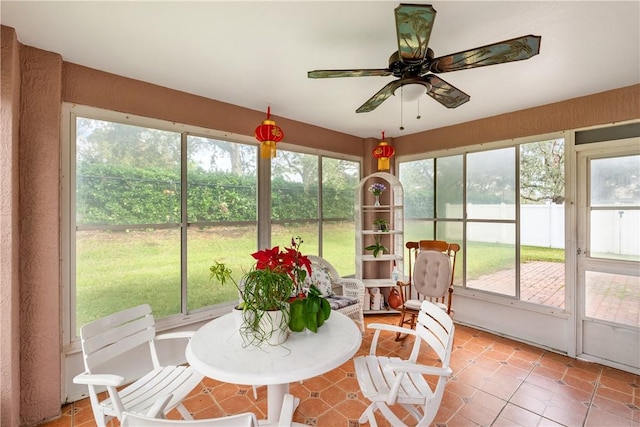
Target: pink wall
<point>598,109</point>
<point>9,242</point>
<point>35,83</point>
<point>31,341</point>
<point>87,86</point>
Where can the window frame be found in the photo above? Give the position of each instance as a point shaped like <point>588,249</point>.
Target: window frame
<point>69,114</point>
<point>569,191</point>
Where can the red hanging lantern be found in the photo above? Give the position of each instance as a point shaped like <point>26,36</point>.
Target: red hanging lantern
<point>383,152</point>
<point>269,134</point>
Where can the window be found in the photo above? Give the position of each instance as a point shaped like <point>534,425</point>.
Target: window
<point>153,204</point>
<point>312,197</point>
<point>505,207</point>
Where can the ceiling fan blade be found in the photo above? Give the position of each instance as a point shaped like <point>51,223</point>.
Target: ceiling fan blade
<point>413,30</point>
<point>516,49</point>
<point>444,93</point>
<point>377,99</point>
<point>323,74</point>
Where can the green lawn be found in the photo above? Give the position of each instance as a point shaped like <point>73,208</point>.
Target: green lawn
<point>116,270</point>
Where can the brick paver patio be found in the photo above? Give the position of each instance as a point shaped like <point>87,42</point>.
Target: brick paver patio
<point>609,297</point>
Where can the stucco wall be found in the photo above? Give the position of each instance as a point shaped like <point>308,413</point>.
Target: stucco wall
<point>598,109</point>
<point>9,242</point>
<point>39,165</point>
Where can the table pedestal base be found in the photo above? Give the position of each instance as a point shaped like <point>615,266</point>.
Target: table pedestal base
<point>280,405</point>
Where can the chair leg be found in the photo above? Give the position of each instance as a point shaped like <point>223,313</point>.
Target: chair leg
<point>184,412</point>
<point>368,415</point>
<point>411,322</point>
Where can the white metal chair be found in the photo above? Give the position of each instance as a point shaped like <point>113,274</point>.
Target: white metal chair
<point>112,336</point>
<point>155,417</point>
<point>344,295</point>
<point>387,381</point>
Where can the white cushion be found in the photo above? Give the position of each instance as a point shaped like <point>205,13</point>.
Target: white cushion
<point>414,304</point>
<point>432,274</point>
<point>322,279</point>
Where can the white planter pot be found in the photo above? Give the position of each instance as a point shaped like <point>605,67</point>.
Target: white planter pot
<point>272,325</point>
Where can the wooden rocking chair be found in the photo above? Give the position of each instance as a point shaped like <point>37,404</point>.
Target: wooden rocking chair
<point>431,278</point>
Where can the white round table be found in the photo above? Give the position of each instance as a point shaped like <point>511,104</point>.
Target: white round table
<point>216,350</point>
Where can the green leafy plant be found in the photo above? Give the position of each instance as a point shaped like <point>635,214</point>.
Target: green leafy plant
<point>377,247</point>
<point>268,286</point>
<point>309,312</point>
<point>381,224</point>
<point>260,290</point>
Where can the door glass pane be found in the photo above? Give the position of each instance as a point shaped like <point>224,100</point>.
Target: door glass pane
<point>491,257</point>
<point>612,234</point>
<point>222,212</point>
<point>615,181</point>
<point>449,188</point>
<point>339,179</point>
<point>542,269</point>
<point>417,179</point>
<point>127,239</point>
<point>615,208</point>
<point>491,184</point>
<point>612,297</point>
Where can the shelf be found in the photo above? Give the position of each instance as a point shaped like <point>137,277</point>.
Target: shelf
<point>391,211</point>
<point>385,257</point>
<point>378,283</point>
<point>384,208</point>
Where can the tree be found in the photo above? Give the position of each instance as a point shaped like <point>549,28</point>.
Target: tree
<point>542,171</point>
<point>116,143</point>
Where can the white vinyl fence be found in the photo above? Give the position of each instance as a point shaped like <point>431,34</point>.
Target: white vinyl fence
<point>612,231</point>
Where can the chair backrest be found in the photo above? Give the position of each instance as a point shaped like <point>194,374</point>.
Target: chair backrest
<point>436,328</point>
<point>431,269</point>
<point>323,274</point>
<point>247,419</point>
<point>113,335</point>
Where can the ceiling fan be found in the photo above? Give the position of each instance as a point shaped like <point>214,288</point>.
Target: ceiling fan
<point>414,62</point>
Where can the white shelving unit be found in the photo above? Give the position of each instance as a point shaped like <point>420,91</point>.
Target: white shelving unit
<point>375,272</point>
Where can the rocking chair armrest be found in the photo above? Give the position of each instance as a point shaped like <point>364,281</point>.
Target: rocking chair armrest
<point>99,379</point>
<point>411,367</point>
<point>175,335</point>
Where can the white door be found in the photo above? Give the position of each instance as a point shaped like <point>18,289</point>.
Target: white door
<point>608,260</point>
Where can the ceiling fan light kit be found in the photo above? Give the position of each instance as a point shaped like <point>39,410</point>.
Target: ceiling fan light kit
<point>414,62</point>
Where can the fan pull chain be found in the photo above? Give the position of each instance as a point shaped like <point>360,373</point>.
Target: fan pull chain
<point>401,106</point>
<point>418,117</point>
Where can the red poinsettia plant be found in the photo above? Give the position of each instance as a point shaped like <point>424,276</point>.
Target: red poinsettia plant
<point>276,282</point>
<point>289,261</point>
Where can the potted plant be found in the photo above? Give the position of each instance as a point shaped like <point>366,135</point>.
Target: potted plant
<point>377,247</point>
<point>265,292</point>
<point>309,312</point>
<point>377,189</point>
<point>380,224</point>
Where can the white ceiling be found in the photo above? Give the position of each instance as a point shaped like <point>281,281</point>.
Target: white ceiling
<point>257,53</point>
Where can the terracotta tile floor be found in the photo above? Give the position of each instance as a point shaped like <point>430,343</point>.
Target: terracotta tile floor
<point>496,382</point>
